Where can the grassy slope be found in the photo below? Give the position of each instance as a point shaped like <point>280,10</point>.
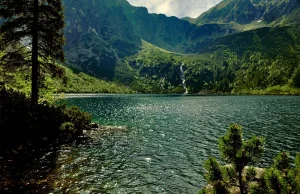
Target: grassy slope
<point>148,47</point>
<point>152,70</point>
<point>77,82</point>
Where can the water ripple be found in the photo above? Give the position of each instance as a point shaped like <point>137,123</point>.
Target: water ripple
<point>168,139</point>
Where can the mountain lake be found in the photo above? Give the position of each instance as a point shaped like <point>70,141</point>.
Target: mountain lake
<point>163,140</point>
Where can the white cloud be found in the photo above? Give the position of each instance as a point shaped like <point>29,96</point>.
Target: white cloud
<point>179,8</point>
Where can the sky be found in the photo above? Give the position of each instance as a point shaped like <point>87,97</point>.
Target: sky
<point>178,8</point>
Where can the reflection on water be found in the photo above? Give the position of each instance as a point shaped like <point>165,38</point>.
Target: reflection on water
<point>168,139</point>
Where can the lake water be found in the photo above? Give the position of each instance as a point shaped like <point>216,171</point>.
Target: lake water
<point>168,137</point>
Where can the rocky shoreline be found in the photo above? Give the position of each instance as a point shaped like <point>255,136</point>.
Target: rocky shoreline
<point>30,170</point>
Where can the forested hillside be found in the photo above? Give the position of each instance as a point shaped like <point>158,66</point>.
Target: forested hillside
<point>244,46</point>
<point>254,60</point>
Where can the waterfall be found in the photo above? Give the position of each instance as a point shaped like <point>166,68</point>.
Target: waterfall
<point>183,78</point>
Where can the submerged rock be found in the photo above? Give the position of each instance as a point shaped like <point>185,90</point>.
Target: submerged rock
<point>95,133</point>
<point>112,128</point>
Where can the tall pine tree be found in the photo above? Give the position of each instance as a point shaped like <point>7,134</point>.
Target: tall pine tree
<point>37,25</point>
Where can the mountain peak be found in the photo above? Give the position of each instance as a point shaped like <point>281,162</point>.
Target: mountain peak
<point>248,11</point>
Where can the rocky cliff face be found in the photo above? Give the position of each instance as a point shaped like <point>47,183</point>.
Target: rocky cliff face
<point>247,11</point>
<point>98,33</point>
<point>240,11</point>
<point>279,10</point>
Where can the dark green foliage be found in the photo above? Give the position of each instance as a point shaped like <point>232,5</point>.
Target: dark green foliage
<point>203,191</point>
<point>241,153</point>
<point>178,90</point>
<point>231,143</point>
<point>260,186</point>
<point>296,77</point>
<point>281,162</point>
<point>213,170</point>
<point>238,153</point>
<point>81,120</point>
<point>67,127</point>
<point>22,122</point>
<point>214,175</point>
<point>297,162</point>
<point>282,178</point>
<point>38,25</point>
<point>294,175</point>
<point>250,174</point>
<point>220,188</point>
<point>275,181</point>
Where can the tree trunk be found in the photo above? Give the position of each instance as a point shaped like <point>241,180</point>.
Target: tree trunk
<point>241,183</point>
<point>34,56</point>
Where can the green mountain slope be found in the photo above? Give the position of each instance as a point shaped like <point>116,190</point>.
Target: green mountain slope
<point>79,82</point>
<point>251,60</point>
<point>98,34</point>
<point>76,82</point>
<point>239,11</point>
<point>156,70</point>
<point>166,32</point>
<point>236,46</point>
<point>170,33</point>
<point>249,11</point>
<point>261,61</point>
